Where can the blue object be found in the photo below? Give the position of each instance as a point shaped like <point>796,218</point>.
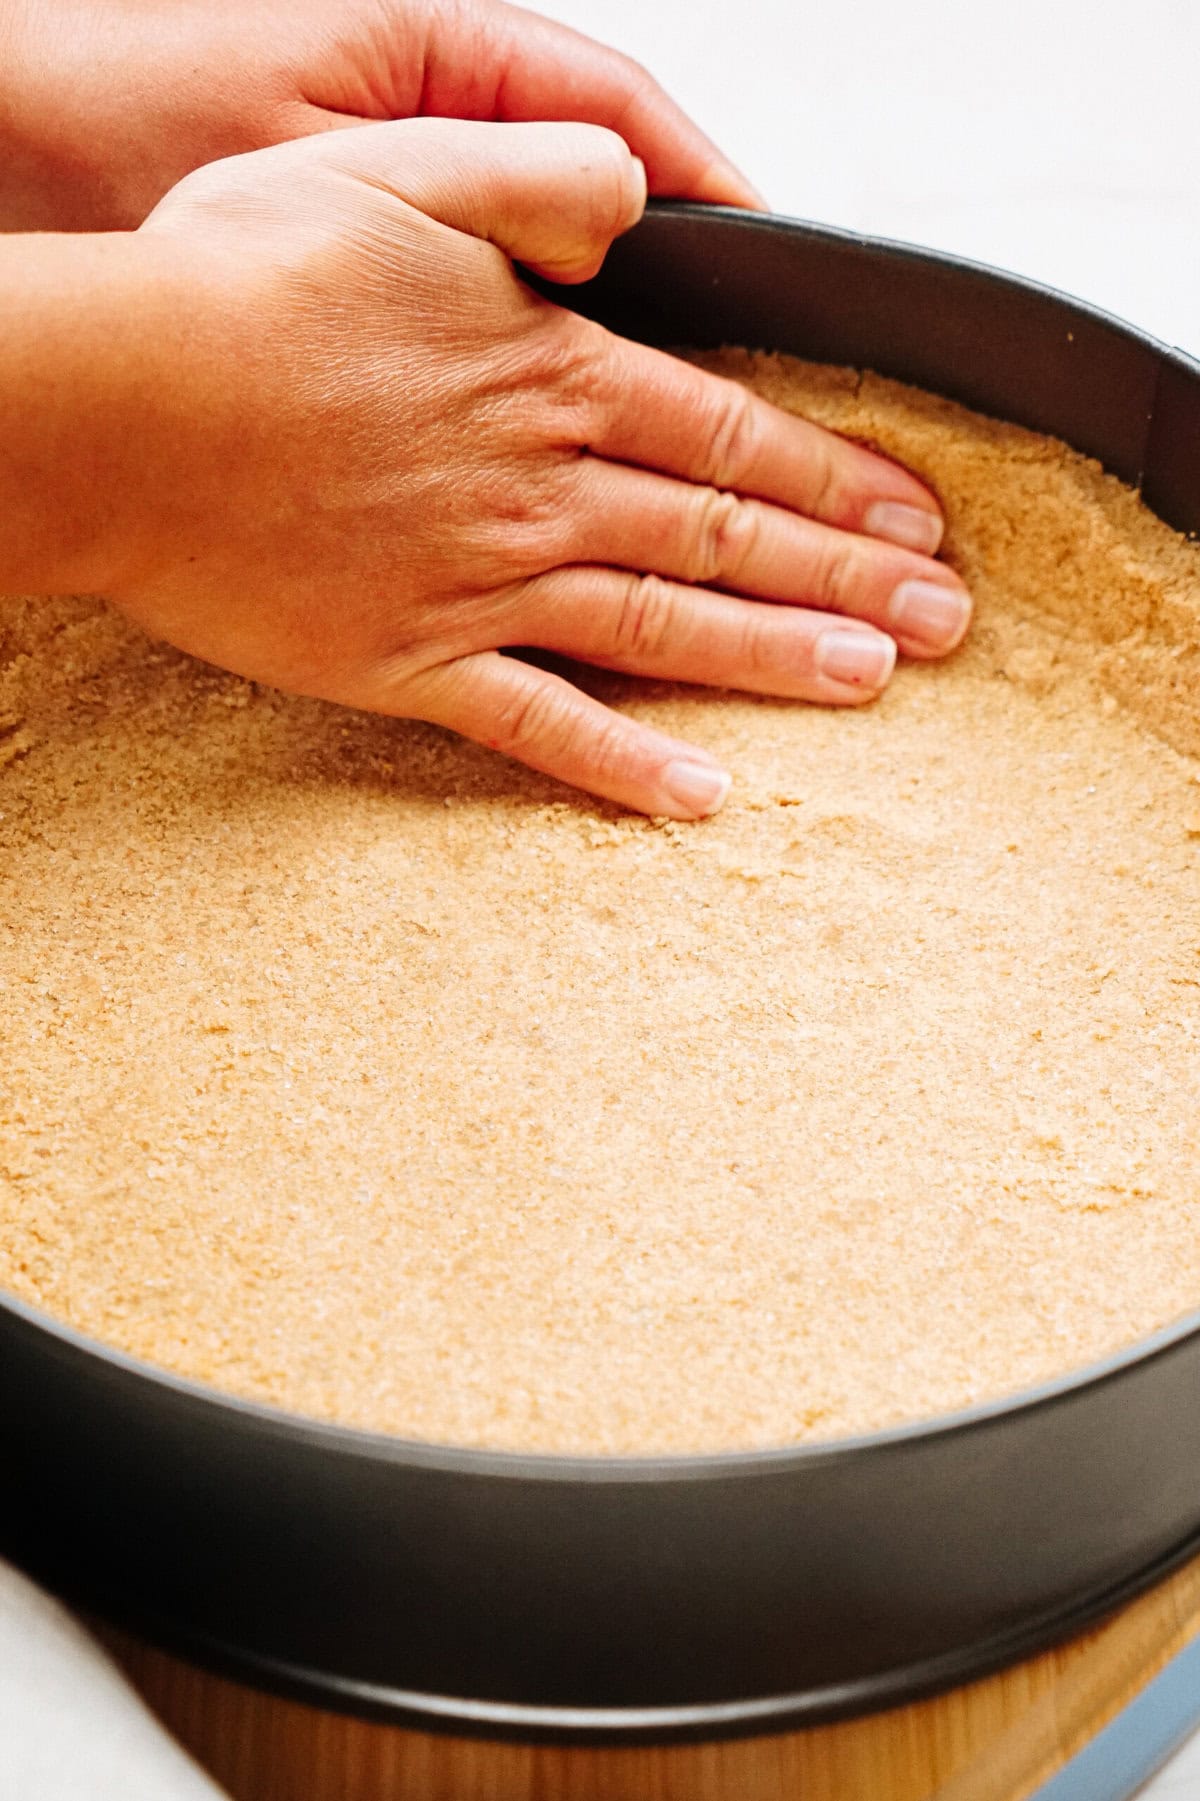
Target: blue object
<point>1120,1760</point>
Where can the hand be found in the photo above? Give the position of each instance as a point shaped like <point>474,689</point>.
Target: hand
<point>368,458</point>
<point>106,104</point>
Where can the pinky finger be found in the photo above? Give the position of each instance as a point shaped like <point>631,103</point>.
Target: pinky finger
<point>541,720</point>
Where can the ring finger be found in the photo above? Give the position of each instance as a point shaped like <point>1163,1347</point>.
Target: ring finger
<point>704,536</point>
<point>646,625</point>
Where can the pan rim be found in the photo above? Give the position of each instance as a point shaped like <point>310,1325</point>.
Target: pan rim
<point>788,225</point>
<point>363,1444</point>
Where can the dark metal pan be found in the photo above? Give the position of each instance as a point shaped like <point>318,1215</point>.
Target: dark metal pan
<point>667,1597</point>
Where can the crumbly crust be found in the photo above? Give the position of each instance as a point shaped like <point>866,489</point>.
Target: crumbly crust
<point>351,1068</point>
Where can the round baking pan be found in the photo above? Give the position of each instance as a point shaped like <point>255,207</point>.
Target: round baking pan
<point>667,1597</point>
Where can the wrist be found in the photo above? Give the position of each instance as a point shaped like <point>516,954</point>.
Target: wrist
<point>27,175</point>
<point>86,324</point>
<point>50,179</point>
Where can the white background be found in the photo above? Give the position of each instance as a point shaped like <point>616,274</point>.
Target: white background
<point>1060,139</point>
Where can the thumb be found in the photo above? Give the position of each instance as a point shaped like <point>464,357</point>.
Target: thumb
<point>551,196</point>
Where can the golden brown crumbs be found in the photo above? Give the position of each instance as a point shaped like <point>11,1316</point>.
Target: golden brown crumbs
<point>355,1070</point>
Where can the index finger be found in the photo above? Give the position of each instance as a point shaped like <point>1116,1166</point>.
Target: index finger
<point>662,413</point>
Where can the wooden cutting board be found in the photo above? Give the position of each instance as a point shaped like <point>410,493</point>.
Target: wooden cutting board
<point>996,1740</point>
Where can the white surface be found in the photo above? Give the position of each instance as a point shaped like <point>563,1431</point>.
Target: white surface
<point>1181,1781</point>
<point>1060,138</point>
<point>70,1727</point>
<point>1054,137</point>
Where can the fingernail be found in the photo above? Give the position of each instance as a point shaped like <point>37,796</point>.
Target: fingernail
<point>913,527</point>
<point>694,789</point>
<point>739,189</point>
<point>760,199</point>
<point>856,659</point>
<point>641,189</point>
<point>935,616</point>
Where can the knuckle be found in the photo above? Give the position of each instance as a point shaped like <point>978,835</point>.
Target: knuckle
<point>525,514</point>
<point>640,89</point>
<point>569,374</point>
<point>534,719</point>
<point>836,579</point>
<point>724,537</point>
<point>826,493</point>
<point>641,81</point>
<point>758,652</point>
<point>645,618</point>
<point>609,753</point>
<point>735,436</point>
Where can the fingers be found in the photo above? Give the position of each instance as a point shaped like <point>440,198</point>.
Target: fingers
<point>543,721</point>
<point>694,534</point>
<point>506,63</point>
<point>645,625</point>
<point>649,627</point>
<point>657,411</point>
<point>550,196</point>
